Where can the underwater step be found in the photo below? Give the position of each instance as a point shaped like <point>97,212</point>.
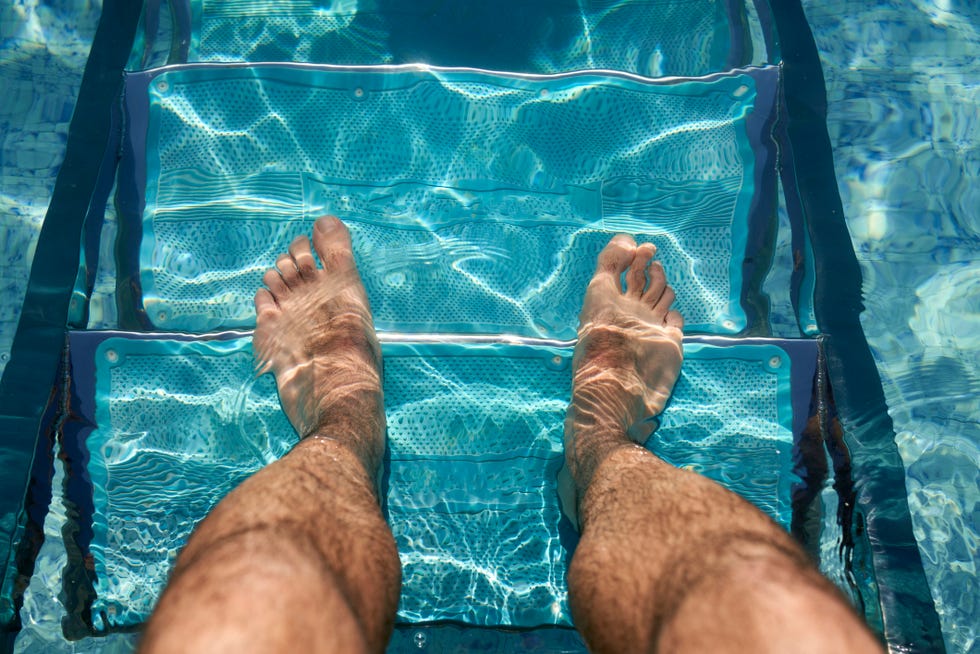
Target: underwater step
<point>477,202</point>
<point>667,37</point>
<point>164,426</point>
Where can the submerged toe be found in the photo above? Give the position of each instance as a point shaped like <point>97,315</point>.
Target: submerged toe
<point>287,269</point>
<point>274,282</point>
<point>658,282</point>
<point>616,257</point>
<point>264,303</point>
<point>662,307</point>
<point>332,243</point>
<point>302,257</point>
<point>636,278</point>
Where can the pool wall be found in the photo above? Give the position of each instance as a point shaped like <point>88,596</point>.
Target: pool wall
<point>902,90</point>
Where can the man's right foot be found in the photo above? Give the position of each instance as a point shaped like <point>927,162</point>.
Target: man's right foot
<point>627,358</point>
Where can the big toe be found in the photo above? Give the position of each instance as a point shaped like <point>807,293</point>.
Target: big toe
<point>617,256</point>
<point>332,243</point>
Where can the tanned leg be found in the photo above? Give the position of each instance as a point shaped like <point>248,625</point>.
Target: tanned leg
<point>668,560</point>
<point>299,558</point>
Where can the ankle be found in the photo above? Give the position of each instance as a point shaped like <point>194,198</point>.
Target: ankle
<point>361,458</point>
<point>588,444</point>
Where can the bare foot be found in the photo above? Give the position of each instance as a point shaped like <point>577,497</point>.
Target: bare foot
<point>314,331</point>
<point>627,358</point>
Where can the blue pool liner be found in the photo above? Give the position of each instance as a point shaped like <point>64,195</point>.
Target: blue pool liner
<point>168,425</point>
<point>477,202</point>
<point>663,38</point>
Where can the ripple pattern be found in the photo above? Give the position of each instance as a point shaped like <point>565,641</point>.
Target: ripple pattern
<point>902,98</point>
<point>181,424</point>
<point>475,440</point>
<point>477,202</point>
<point>691,37</point>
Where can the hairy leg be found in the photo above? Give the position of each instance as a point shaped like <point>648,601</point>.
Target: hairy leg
<point>669,560</point>
<point>299,557</point>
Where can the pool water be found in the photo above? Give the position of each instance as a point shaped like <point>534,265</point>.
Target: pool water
<point>905,154</point>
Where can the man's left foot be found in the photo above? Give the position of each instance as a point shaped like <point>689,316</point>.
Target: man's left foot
<point>314,331</point>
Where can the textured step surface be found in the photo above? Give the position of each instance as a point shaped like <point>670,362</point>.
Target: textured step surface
<point>475,439</point>
<point>477,202</point>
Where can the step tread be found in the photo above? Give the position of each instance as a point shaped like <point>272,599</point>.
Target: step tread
<point>475,439</point>
<point>477,202</point>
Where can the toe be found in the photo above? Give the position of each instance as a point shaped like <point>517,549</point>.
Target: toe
<point>331,240</point>
<point>287,268</point>
<point>636,278</point>
<point>616,257</point>
<point>273,281</point>
<point>662,307</point>
<point>674,319</point>
<point>302,256</point>
<point>264,303</point>
<point>658,282</point>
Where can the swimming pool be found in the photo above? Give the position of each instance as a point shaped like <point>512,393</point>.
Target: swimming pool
<point>874,170</point>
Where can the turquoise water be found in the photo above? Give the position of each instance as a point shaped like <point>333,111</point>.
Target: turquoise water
<point>906,157</point>
<point>903,91</point>
<point>475,439</point>
<point>453,236</point>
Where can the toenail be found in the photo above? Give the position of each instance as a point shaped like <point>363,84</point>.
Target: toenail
<point>324,223</point>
